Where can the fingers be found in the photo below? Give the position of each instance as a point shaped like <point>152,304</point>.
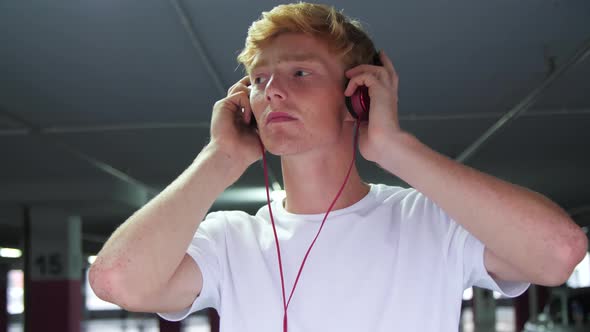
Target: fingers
<point>245,80</point>
<point>240,101</point>
<point>242,85</point>
<point>367,79</point>
<point>375,70</point>
<point>384,73</point>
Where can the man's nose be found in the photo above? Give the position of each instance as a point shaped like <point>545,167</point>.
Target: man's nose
<point>275,88</point>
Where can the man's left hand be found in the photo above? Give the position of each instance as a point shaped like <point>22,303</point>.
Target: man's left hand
<point>383,124</point>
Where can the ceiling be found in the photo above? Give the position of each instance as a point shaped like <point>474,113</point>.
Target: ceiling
<point>103,103</point>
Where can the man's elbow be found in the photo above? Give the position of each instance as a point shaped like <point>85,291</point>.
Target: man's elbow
<point>108,285</point>
<point>568,256</point>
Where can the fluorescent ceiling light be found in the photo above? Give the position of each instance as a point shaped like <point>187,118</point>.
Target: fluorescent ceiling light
<point>10,253</point>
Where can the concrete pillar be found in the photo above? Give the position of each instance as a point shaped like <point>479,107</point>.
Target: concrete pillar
<point>3,297</point>
<point>167,326</point>
<point>53,268</point>
<point>484,309</point>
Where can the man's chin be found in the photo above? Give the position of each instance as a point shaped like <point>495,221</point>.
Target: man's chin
<point>282,147</point>
<point>281,151</point>
<point>274,142</point>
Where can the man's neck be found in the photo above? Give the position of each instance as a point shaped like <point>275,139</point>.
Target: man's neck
<point>312,182</point>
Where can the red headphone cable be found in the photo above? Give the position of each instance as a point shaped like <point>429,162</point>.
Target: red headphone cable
<point>286,302</point>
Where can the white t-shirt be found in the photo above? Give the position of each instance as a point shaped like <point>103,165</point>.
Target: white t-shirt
<point>393,261</point>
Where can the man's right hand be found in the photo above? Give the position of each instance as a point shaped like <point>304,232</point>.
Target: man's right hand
<point>231,129</point>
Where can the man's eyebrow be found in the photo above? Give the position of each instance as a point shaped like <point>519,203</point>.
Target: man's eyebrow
<point>303,57</point>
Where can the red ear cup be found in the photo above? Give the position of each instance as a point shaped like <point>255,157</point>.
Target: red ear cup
<point>359,103</point>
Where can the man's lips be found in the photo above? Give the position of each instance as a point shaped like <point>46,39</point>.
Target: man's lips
<point>273,117</point>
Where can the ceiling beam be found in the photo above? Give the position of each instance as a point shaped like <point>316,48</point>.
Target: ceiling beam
<point>524,104</point>
<point>73,193</point>
<point>411,117</point>
<point>198,46</point>
<point>103,167</point>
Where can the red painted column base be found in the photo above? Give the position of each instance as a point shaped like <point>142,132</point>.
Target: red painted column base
<point>213,319</point>
<point>167,326</point>
<point>521,306</point>
<point>3,299</point>
<point>54,305</point>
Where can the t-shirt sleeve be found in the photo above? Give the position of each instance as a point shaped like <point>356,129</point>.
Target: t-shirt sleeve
<point>476,274</point>
<point>205,251</point>
<point>464,252</point>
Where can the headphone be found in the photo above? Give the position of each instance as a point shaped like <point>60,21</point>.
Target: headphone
<point>358,103</point>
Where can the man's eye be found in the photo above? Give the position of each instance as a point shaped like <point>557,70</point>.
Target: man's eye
<point>301,73</point>
<point>258,80</point>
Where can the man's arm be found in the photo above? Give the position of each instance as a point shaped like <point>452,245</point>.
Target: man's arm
<point>144,266</point>
<point>527,237</point>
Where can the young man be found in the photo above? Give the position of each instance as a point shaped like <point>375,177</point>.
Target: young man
<point>388,258</point>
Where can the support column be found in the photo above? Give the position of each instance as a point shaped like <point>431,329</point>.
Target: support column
<point>167,326</point>
<point>53,268</point>
<point>3,297</point>
<point>484,309</point>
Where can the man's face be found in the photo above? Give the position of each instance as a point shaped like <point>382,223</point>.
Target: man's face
<point>297,95</point>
